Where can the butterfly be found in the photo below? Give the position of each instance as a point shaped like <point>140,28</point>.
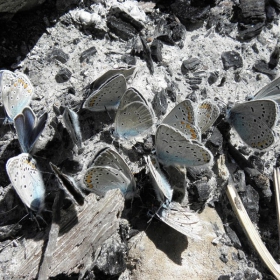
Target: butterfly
<point>28,128</point>
<point>254,122</point>
<point>27,181</point>
<point>172,213</point>
<point>270,91</point>
<point>69,185</point>
<point>175,148</point>
<point>109,171</point>
<point>192,120</point>
<point>17,92</point>
<point>134,115</point>
<point>126,72</point>
<point>71,121</point>
<point>108,95</point>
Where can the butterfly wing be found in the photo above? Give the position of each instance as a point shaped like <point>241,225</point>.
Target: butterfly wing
<point>99,82</point>
<point>207,114</point>
<point>69,186</point>
<point>108,96</point>
<point>100,179</point>
<point>133,119</point>
<point>182,117</point>
<point>71,121</point>
<point>173,148</point>
<point>263,110</point>
<point>17,92</point>
<point>131,95</point>
<point>109,157</point>
<point>28,129</point>
<point>180,219</point>
<point>161,186</point>
<point>254,132</point>
<point>270,91</point>
<point>27,181</point>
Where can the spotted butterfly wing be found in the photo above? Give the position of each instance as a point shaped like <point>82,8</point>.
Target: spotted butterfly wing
<point>207,114</point>
<point>180,219</point>
<point>174,148</point>
<point>28,128</point>
<point>108,96</point>
<point>27,181</point>
<point>254,122</point>
<point>17,92</point>
<point>182,117</point>
<point>100,179</point>
<point>161,186</point>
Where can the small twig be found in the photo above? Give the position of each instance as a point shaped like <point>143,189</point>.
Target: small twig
<point>276,175</point>
<point>53,234</point>
<point>250,230</point>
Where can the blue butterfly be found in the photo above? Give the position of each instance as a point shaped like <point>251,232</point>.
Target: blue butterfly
<point>27,181</point>
<point>28,128</point>
<point>17,92</point>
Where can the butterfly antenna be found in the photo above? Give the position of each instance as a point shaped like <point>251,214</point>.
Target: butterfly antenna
<point>108,113</point>
<point>3,213</point>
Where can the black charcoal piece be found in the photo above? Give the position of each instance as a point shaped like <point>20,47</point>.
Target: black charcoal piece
<point>255,48</point>
<point>171,91</point>
<point>87,54</point>
<point>274,58</point>
<point>248,31</point>
<point>233,237</point>
<point>163,32</point>
<point>224,277</point>
<point>139,148</point>
<point>170,30</point>
<point>111,259</point>
<point>257,162</point>
<point>239,180</point>
<point>251,18</point>
<point>197,173</point>
<point>222,82</point>
<point>125,17</point>
<point>188,13</point>
<point>59,55</point>
<point>190,65</point>
<point>128,59</point>
<point>224,258</point>
<point>271,13</point>
<point>252,11</point>
<point>194,80</point>
<point>250,199</point>
<point>232,59</point>
<point>156,48</point>
<point>262,67</point>
<point>122,29</point>
<point>276,3</point>
<point>148,144</point>
<point>215,141</point>
<point>63,75</point>
<point>147,55</point>
<point>213,77</point>
<point>160,103</point>
<point>202,190</point>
